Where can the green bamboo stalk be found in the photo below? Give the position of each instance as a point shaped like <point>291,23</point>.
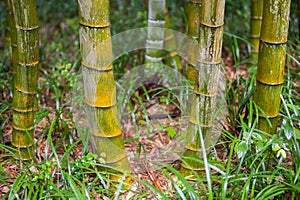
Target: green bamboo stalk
<point>298,4</point>
<point>8,11</point>
<point>13,36</point>
<point>192,10</point>
<point>170,43</point>
<point>155,37</point>
<point>99,86</point>
<point>26,75</point>
<point>206,87</point>
<point>255,26</point>
<point>271,61</point>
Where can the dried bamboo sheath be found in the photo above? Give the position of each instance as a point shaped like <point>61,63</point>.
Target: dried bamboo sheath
<point>99,86</point>
<point>206,85</point>
<point>271,61</point>
<point>192,9</point>
<point>255,26</point>
<point>26,49</point>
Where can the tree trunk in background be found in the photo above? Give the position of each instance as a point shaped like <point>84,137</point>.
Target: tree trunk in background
<point>155,38</point>
<point>255,26</point>
<point>99,86</point>
<point>192,10</point>
<point>206,86</point>
<point>271,61</point>
<point>26,76</point>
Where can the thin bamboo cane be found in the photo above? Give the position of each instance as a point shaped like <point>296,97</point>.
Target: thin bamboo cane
<point>9,15</point>
<point>13,37</point>
<point>271,61</point>
<point>155,37</point>
<point>255,26</point>
<point>206,87</point>
<point>26,75</point>
<point>298,19</point>
<point>192,10</point>
<point>169,43</point>
<point>99,87</point>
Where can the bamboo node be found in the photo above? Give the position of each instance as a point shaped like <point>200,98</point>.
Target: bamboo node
<point>268,83</point>
<point>212,25</point>
<point>97,26</point>
<point>22,28</point>
<point>108,67</point>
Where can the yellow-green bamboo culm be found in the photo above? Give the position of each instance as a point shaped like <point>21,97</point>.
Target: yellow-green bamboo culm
<point>9,15</point>
<point>13,37</point>
<point>172,58</point>
<point>99,86</point>
<point>206,85</point>
<point>192,10</point>
<point>155,37</point>
<point>271,61</point>
<point>255,26</point>
<point>24,102</point>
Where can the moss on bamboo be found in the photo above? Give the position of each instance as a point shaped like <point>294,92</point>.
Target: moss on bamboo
<point>99,87</point>
<point>271,61</point>
<point>206,87</point>
<point>26,74</point>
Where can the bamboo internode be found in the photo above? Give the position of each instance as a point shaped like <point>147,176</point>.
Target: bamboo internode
<point>271,62</point>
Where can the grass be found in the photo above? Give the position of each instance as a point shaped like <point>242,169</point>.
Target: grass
<point>244,163</point>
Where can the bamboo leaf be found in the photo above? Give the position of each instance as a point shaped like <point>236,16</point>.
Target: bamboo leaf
<point>74,187</point>
<point>15,188</point>
<point>242,149</point>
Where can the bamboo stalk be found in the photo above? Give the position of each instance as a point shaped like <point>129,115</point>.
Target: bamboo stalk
<point>155,37</point>
<point>298,2</point>
<point>99,87</point>
<point>12,36</point>
<point>206,87</point>
<point>255,26</point>
<point>192,10</point>
<point>9,15</point>
<point>271,61</point>
<point>26,74</point>
<point>170,43</point>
